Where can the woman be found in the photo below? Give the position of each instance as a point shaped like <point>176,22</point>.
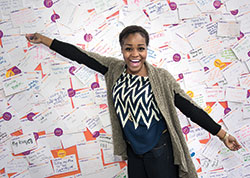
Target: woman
<point>142,101</point>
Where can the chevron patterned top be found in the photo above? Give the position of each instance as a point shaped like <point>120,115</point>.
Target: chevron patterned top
<point>138,112</point>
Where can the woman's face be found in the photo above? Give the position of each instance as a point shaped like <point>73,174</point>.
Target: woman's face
<point>134,50</point>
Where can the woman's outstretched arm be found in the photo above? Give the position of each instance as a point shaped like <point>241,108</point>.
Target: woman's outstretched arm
<point>67,50</point>
<point>39,38</point>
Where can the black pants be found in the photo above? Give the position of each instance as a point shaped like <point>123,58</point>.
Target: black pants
<point>157,163</point>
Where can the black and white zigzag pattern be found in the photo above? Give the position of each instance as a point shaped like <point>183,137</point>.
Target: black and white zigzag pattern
<point>133,98</point>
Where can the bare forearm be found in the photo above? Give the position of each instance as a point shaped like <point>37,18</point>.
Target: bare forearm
<point>46,40</point>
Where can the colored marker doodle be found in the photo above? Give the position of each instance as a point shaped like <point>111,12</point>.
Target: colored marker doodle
<point>217,4</point>
<point>241,36</point>
<point>227,110</point>
<point>185,130</point>
<point>58,132</point>
<point>88,37</point>
<point>48,3</point>
<point>16,70</point>
<point>206,69</point>
<point>234,12</point>
<point>177,57</point>
<point>96,134</point>
<point>30,116</point>
<point>54,17</point>
<point>181,76</point>
<point>72,69</point>
<point>61,153</point>
<point>192,154</point>
<point>95,85</point>
<point>36,135</point>
<point>1,35</point>
<point>26,152</point>
<point>248,93</point>
<point>190,93</point>
<point>71,92</point>
<point>7,116</point>
<point>208,109</point>
<point>217,63</point>
<point>173,6</point>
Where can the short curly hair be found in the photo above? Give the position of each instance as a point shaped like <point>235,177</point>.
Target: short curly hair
<point>132,29</point>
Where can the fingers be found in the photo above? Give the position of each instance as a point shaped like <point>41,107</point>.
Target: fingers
<point>232,144</point>
<point>29,37</point>
<point>34,38</point>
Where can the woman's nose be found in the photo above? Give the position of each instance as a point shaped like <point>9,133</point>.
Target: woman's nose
<point>135,53</point>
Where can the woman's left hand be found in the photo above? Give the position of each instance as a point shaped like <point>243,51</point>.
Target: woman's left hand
<point>231,143</point>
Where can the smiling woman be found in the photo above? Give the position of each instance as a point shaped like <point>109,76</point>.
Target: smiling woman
<point>134,50</point>
<point>142,103</point>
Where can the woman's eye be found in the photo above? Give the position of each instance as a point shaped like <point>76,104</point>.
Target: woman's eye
<point>128,49</point>
<point>141,49</point>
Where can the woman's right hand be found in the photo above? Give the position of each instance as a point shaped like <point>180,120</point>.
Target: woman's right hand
<point>38,38</point>
<point>34,38</point>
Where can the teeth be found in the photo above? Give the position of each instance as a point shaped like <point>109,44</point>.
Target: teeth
<point>135,60</point>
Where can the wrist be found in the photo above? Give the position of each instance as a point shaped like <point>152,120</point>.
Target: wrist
<point>225,137</point>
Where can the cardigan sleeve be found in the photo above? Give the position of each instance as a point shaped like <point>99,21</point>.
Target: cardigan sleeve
<point>197,115</point>
<point>191,109</point>
<point>75,54</point>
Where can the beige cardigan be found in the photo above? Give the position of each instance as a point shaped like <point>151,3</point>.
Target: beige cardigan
<point>164,87</point>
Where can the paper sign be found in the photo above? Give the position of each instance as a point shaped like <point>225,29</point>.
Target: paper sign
<point>21,144</point>
<point>214,94</point>
<point>84,74</point>
<point>155,9</point>
<point>212,148</point>
<point>228,29</point>
<point>93,124</point>
<point>40,155</point>
<point>41,170</point>
<point>4,134</point>
<point>242,49</point>
<point>236,94</point>
<point>64,165</point>
<point>15,84</point>
<point>232,71</point>
<point>100,96</point>
<point>4,156</point>
<point>105,141</point>
<point>188,10</point>
<point>246,110</point>
<point>233,119</point>
<point>243,136</point>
